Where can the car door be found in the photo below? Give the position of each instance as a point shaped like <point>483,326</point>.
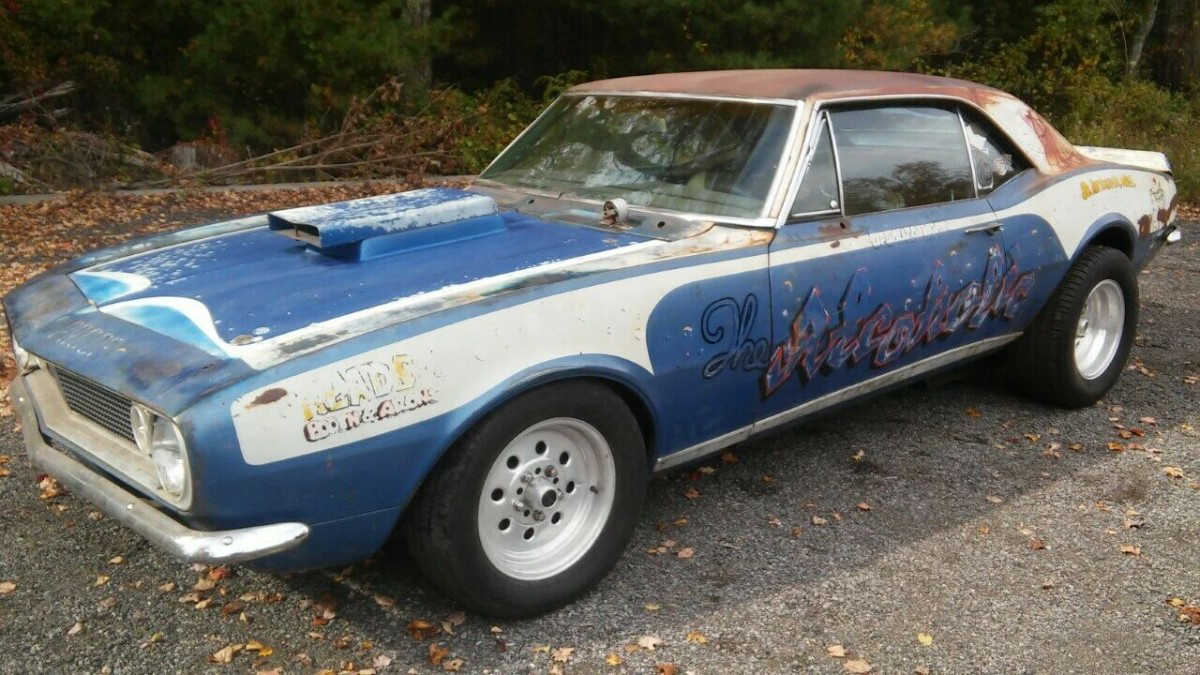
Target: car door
<point>890,264</point>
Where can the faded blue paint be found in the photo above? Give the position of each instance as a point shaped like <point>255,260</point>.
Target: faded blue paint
<point>291,286</point>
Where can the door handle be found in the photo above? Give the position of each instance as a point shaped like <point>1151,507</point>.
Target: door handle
<point>990,228</point>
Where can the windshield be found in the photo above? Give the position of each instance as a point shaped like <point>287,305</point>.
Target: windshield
<point>695,156</point>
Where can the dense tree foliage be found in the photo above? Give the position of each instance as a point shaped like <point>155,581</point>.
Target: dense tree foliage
<point>263,74</point>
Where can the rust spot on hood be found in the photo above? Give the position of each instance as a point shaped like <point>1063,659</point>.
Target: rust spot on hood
<point>269,396</point>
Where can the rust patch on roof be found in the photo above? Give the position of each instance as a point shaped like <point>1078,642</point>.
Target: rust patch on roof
<point>788,84</point>
<point>1060,154</point>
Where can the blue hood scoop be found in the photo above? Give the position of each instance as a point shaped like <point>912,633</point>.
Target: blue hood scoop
<point>363,229</point>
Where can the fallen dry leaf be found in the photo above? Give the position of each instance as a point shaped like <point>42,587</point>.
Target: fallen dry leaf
<point>223,655</point>
<point>385,601</point>
<point>422,629</point>
<point>613,659</point>
<point>1131,550</point>
<point>648,642</point>
<point>451,666</point>
<point>994,499</point>
<point>116,560</point>
<point>857,666</point>
<point>541,649</point>
<point>1036,544</point>
<point>1173,471</point>
<point>561,654</point>
<point>666,669</point>
<point>729,458</point>
<point>691,493</point>
<point>697,637</point>
<point>101,579</point>
<point>7,587</point>
<point>50,488</point>
<point>863,506</point>
<point>74,630</point>
<point>836,651</point>
<point>437,653</point>
<point>685,553</point>
<point>973,412</point>
<point>925,639</point>
<point>652,606</point>
<point>819,521</point>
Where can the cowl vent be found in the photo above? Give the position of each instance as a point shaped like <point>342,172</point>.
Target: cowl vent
<point>361,229</point>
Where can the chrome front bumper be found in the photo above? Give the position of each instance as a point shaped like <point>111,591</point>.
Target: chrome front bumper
<point>139,514</point>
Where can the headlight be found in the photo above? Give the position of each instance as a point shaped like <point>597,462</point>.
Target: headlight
<point>21,354</point>
<point>170,458</point>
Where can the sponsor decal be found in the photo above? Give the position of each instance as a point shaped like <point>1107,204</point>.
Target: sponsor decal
<point>362,394</point>
<point>1090,188</point>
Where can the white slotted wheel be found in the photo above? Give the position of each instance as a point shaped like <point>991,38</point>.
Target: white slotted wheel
<point>546,499</point>
<point>1098,333</point>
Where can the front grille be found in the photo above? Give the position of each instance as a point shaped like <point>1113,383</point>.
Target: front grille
<point>100,406</point>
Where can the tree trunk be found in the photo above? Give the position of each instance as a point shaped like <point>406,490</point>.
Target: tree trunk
<point>419,77</point>
<point>1139,40</point>
<point>1174,51</point>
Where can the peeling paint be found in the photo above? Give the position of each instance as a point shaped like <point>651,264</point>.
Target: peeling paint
<point>269,396</point>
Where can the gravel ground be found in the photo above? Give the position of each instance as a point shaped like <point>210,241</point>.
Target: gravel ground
<point>993,543</point>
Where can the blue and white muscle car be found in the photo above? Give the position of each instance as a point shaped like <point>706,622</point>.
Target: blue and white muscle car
<point>657,268</point>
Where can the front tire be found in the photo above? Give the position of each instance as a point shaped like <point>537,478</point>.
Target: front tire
<point>533,506</point>
<point>1076,348</point>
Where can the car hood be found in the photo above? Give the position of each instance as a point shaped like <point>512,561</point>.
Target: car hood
<point>255,295</point>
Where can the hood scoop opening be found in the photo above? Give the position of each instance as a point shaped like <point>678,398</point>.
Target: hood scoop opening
<point>363,229</point>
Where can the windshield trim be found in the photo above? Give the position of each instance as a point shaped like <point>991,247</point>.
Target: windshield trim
<point>765,218</point>
<point>692,216</point>
<point>676,95</point>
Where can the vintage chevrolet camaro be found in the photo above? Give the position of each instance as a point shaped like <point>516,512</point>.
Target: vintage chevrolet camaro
<point>657,268</point>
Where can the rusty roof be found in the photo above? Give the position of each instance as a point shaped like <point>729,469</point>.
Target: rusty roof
<point>792,84</point>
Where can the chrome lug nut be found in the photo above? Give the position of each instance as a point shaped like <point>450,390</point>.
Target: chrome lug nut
<point>527,478</point>
<point>551,472</point>
<point>539,516</point>
<point>519,505</point>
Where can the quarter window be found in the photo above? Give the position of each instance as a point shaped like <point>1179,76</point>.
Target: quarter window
<point>899,157</point>
<point>994,161</point>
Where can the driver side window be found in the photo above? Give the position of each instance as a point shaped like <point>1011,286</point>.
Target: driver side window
<point>819,189</point>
